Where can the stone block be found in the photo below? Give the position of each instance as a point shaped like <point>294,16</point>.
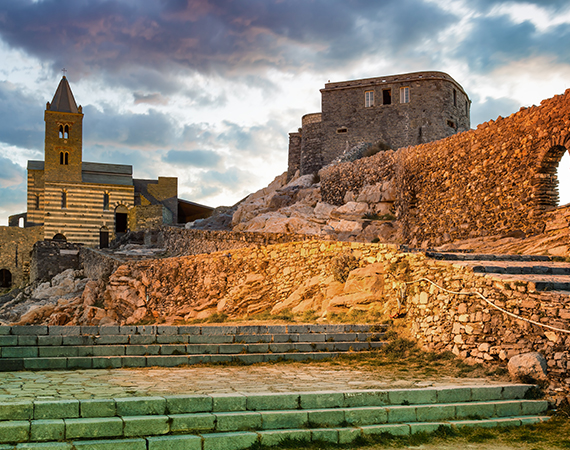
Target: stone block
<point>64,330</point>
<point>365,398</point>
<point>534,407</point>
<point>110,339</point>
<point>47,430</point>
<point>79,363</point>
<point>111,444</point>
<point>20,410</point>
<point>180,404</point>
<point>57,351</point>
<point>42,446</point>
<point>271,401</point>
<point>298,329</point>
<point>412,396</point>
<point>56,409</point>
<point>90,330</point>
<point>322,399</point>
<point>515,391</point>
<point>253,338</point>
<point>427,427</point>
<point>45,363</point>
<point>474,423</point>
<point>211,339</point>
<point>282,348</point>
<point>394,430</point>
<point>369,415</point>
<point>50,340</point>
<point>484,393</point>
<point>238,421</point>
<point>231,348</point>
<point>285,338</point>
<point>14,431</point>
<point>189,329</point>
<point>34,330</point>
<point>508,422</point>
<point>12,364</point>
<point>326,417</point>
<point>171,339</point>
<point>317,328</point>
<point>324,435</point>
<point>348,435</point>
<point>229,441</point>
<point>19,352</point>
<point>166,361</point>
<point>454,394</point>
<point>174,443</point>
<point>198,349</point>
<point>434,413</point>
<point>140,406</point>
<point>275,420</point>
<point>133,361</point>
<point>145,425</point>
<point>474,410</point>
<point>228,402</point>
<point>141,350</point>
<point>127,329</point>
<point>252,358</point>
<point>257,348</point>
<point>97,408</point>
<point>215,330</point>
<point>198,359</point>
<point>312,338</point>
<point>251,329</point>
<point>142,339</point>
<point>533,420</point>
<point>508,408</point>
<point>166,329</point>
<point>173,349</point>
<point>220,358</point>
<point>146,329</point>
<point>276,329</point>
<point>111,329</point>
<point>99,427</point>
<point>305,347</point>
<point>107,362</point>
<point>25,340</point>
<point>6,341</point>
<point>272,438</point>
<point>108,350</point>
<point>78,340</point>
<point>5,329</point>
<point>401,414</point>
<point>194,422</point>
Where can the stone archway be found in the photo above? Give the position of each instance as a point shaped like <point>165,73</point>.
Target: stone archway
<point>104,237</point>
<point>59,237</point>
<point>5,278</point>
<point>546,195</point>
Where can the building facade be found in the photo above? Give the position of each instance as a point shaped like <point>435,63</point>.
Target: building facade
<point>398,110</point>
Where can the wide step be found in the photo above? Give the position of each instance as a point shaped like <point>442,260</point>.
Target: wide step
<point>234,421</point>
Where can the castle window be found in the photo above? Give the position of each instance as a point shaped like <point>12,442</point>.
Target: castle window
<point>66,132</point>
<point>63,199</point>
<point>404,95</point>
<point>454,97</point>
<point>369,99</point>
<point>61,158</point>
<point>106,201</point>
<point>37,203</point>
<point>342,130</point>
<point>451,124</point>
<point>386,96</point>
<point>61,131</point>
<point>466,108</point>
<point>64,158</point>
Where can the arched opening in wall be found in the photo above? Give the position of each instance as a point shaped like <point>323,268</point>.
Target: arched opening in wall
<point>121,219</point>
<point>104,237</point>
<point>564,179</point>
<point>21,223</point>
<point>59,237</point>
<point>5,278</point>
<point>546,182</point>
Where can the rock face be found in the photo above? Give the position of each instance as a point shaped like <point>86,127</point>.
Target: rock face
<point>528,366</point>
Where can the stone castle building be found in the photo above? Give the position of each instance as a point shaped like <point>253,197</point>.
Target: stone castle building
<point>398,110</point>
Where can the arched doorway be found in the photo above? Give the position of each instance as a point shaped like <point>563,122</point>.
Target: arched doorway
<point>59,237</point>
<point>5,278</point>
<point>564,179</point>
<point>546,183</point>
<point>104,237</point>
<point>121,219</point>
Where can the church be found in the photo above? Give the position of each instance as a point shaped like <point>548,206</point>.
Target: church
<point>92,203</point>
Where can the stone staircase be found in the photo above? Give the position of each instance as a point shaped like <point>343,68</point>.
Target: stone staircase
<point>73,347</point>
<point>542,271</point>
<point>239,421</point>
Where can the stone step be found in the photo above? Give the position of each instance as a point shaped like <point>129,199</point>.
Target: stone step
<point>317,413</point>
<point>539,282</point>
<point>444,256</point>
<point>24,340</point>
<point>518,268</point>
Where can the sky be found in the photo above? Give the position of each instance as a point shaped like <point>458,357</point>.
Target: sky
<point>208,91</point>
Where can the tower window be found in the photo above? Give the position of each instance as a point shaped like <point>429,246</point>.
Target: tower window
<point>61,131</point>
<point>369,99</point>
<point>386,96</point>
<point>106,201</point>
<point>63,199</point>
<point>404,95</point>
<point>66,132</point>
<point>454,97</point>
<point>61,158</point>
<point>64,158</point>
<point>37,204</point>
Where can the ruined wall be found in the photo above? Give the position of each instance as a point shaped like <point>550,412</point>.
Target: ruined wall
<point>294,159</point>
<point>97,264</point>
<point>311,144</point>
<point>50,258</point>
<point>15,247</point>
<point>148,216</point>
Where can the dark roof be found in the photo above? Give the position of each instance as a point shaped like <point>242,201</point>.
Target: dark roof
<point>107,173</point>
<point>123,169</point>
<point>35,165</point>
<point>63,100</point>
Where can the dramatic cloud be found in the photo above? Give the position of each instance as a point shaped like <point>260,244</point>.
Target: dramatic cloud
<point>10,174</point>
<point>195,158</point>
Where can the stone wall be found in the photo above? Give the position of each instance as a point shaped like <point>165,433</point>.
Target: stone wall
<point>15,248</point>
<point>97,264</point>
<point>294,159</point>
<point>148,216</point>
<point>50,258</point>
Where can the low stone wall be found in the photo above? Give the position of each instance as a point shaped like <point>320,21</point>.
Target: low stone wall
<point>180,241</point>
<point>97,264</point>
<point>52,257</point>
<point>15,247</point>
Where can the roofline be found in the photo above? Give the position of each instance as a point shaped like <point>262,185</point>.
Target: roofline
<point>180,200</point>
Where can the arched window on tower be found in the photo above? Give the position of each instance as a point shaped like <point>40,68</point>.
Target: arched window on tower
<point>61,131</point>
<point>61,158</point>
<point>66,132</point>
<point>66,158</point>
<point>106,201</point>
<point>63,199</point>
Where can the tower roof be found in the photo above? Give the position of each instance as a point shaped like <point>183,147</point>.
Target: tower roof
<point>63,100</point>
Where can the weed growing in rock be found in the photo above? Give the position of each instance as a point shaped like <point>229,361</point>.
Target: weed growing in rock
<point>342,265</point>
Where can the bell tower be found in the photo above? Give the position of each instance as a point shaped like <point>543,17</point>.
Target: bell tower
<point>63,137</point>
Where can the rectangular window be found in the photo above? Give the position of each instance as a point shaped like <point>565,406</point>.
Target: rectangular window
<point>106,201</point>
<point>369,99</point>
<point>405,95</point>
<point>386,96</point>
<point>454,97</point>
<point>63,199</point>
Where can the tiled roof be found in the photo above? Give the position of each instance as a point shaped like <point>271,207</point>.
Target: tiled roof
<point>63,100</point>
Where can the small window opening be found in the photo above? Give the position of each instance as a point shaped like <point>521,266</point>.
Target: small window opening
<point>106,201</point>
<point>37,203</point>
<point>369,99</point>
<point>451,124</point>
<point>454,97</point>
<point>5,278</point>
<point>61,131</point>
<point>59,237</point>
<point>66,158</point>
<point>386,96</point>
<point>405,95</point>
<point>61,158</point>
<point>21,222</point>
<point>66,132</point>
<point>342,130</point>
<point>466,108</point>
<point>63,199</point>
